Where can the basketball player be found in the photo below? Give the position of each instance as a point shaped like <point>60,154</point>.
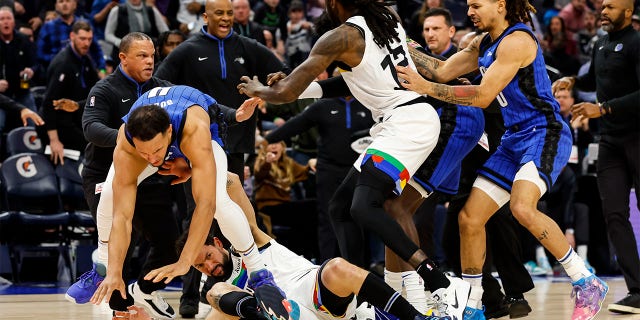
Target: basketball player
<point>534,148</point>
<point>367,42</point>
<point>314,292</point>
<point>170,123</point>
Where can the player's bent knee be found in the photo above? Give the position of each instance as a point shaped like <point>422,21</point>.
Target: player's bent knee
<point>522,212</point>
<point>468,222</point>
<point>337,270</point>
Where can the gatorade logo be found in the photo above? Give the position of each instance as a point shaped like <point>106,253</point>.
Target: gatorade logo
<point>31,140</point>
<point>26,167</point>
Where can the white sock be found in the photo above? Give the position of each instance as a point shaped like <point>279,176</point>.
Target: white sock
<point>582,251</point>
<point>414,288</point>
<point>252,259</point>
<point>102,253</point>
<point>394,280</point>
<point>475,295</point>
<point>574,265</point>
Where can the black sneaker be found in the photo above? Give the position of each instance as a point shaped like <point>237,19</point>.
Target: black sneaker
<point>496,310</point>
<point>629,304</point>
<point>272,301</point>
<point>518,307</point>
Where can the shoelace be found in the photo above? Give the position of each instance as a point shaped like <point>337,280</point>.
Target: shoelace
<point>87,276</point>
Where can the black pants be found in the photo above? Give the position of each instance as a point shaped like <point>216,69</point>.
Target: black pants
<point>299,218</point>
<point>328,178</point>
<point>619,171</point>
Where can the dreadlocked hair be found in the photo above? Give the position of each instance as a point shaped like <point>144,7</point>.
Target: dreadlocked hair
<point>519,11</point>
<point>380,20</point>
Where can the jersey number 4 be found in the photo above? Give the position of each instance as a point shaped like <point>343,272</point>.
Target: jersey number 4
<point>396,56</point>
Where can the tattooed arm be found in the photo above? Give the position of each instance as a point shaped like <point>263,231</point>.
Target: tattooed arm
<point>516,50</point>
<point>441,71</point>
<point>344,43</point>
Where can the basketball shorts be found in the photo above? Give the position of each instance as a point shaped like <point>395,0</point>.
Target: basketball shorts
<point>402,141</point>
<point>548,149</point>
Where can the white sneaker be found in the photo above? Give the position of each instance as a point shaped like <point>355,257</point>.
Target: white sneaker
<point>452,300</point>
<point>153,302</point>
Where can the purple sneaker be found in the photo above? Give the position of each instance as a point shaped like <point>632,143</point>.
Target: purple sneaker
<point>82,290</point>
<point>272,301</point>
<point>588,294</point>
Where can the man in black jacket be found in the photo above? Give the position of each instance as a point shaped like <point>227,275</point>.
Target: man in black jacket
<point>70,76</point>
<point>615,75</point>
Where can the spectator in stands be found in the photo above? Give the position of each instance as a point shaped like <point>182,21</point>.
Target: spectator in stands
<point>560,50</point>
<point>18,59</point>
<point>168,41</point>
<point>573,15</point>
<point>54,36</point>
<point>243,25</point>
<point>299,35</point>
<point>635,22</point>
<point>414,31</point>
<point>437,31</point>
<point>133,16</point>
<point>273,16</point>
<point>587,36</point>
<point>99,11</point>
<point>70,76</point>
<point>190,16</point>
<point>275,173</point>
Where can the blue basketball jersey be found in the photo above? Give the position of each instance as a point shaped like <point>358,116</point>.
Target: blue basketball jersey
<point>527,100</point>
<point>176,100</point>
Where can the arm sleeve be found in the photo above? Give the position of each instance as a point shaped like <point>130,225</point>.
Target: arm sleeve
<point>94,119</point>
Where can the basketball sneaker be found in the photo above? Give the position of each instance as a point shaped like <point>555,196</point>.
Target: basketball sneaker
<point>82,290</point>
<point>451,301</point>
<point>272,301</point>
<point>628,304</point>
<point>473,314</point>
<point>153,302</point>
<point>588,294</point>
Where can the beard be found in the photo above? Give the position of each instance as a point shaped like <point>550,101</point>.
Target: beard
<point>614,24</point>
<point>227,269</point>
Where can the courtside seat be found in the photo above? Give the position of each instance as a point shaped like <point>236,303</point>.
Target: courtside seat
<point>23,139</point>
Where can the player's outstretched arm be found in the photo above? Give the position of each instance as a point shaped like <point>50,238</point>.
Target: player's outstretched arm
<point>128,165</point>
<point>340,44</point>
<point>516,50</point>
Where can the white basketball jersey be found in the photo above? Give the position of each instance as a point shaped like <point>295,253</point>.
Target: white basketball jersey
<point>374,81</point>
<point>286,267</point>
